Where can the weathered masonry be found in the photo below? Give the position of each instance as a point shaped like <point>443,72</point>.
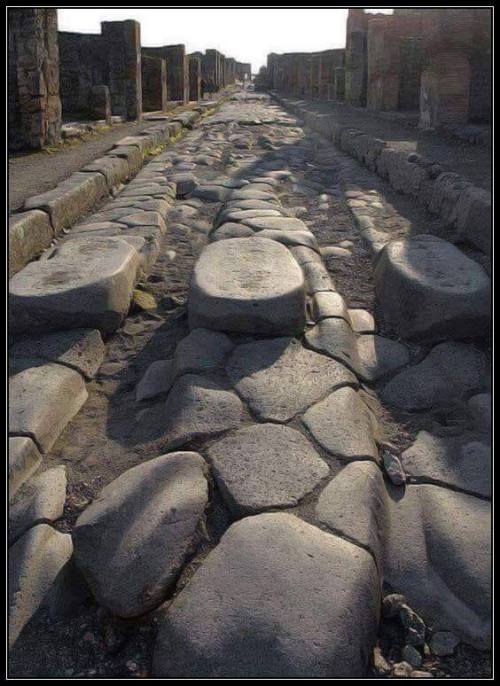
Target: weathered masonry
<point>33,71</point>
<point>433,61</point>
<point>154,83</point>
<point>177,70</point>
<point>194,78</point>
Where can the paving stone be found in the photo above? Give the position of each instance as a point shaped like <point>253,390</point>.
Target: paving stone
<point>197,407</point>
<point>264,466</point>
<point>343,425</point>
<point>276,223</point>
<point>201,350</point>
<point>42,400</point>
<point>114,169</point>
<point>428,289</point>
<point>88,283</point>
<point>304,601</point>
<point>458,462</point>
<point>326,304</point>
<point>450,370</point>
<point>354,504</point>
<point>231,230</point>
<point>279,378</point>
<point>131,542</point>
<point>185,183</point>
<point>289,238</point>
<point>251,194</point>
<point>41,499</point>
<point>239,205</point>
<point>247,285</point>
<point>233,215</point>
<point>438,555</point>
<point>317,278</point>
<point>480,406</point>
<point>380,356</point>
<point>29,234</point>
<point>333,251</point>
<point>158,378</point>
<point>80,349</point>
<point>362,321</point>
<point>211,193</point>
<point>144,219</point>
<point>335,338</point>
<point>35,561</point>
<point>24,460</point>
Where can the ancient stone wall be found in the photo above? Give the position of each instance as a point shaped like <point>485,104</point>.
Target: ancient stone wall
<point>177,70</point>
<point>123,42</point>
<point>154,83</point>
<point>83,64</point>
<point>243,69</point>
<point>355,57</point>
<point>33,70</point>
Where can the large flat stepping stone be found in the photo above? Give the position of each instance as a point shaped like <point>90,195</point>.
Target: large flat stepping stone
<point>87,283</point>
<point>279,378</point>
<point>450,370</point>
<point>428,289</point>
<point>343,425</point>
<point>43,400</point>
<point>277,598</point>
<point>198,407</point>
<point>354,504</point>
<point>35,561</point>
<point>131,542</point>
<point>438,555</point>
<point>24,460</point>
<point>248,285</point>
<point>40,500</point>
<point>457,462</point>
<point>264,466</point>
<point>80,349</point>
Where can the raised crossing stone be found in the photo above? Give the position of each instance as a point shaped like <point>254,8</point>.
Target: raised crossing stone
<point>80,349</point>
<point>280,378</point>
<point>247,285</point>
<point>40,500</point>
<point>459,462</point>
<point>35,561</point>
<point>304,601</point>
<point>87,283</point>
<point>264,466</point>
<point>450,370</point>
<point>42,400</point>
<point>343,425</point>
<point>131,542</point>
<point>198,407</point>
<point>24,460</point>
<point>428,289</point>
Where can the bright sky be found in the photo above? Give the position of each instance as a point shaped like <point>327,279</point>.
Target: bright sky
<point>248,35</point>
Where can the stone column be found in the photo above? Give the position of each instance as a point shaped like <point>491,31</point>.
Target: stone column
<point>123,41</point>
<point>355,57</point>
<point>384,64</point>
<point>154,83</point>
<point>34,105</point>
<point>194,79</point>
<point>339,84</point>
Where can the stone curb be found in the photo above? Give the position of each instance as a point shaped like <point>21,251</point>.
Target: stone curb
<point>465,207</point>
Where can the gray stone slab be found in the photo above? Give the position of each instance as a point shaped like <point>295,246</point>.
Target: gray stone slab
<point>131,542</point>
<point>263,466</point>
<point>29,234</point>
<point>328,304</point>
<point>39,500</point>
<point>279,378</point>
<point>197,407</point>
<point>343,425</point>
<point>35,561</point>
<point>87,283</point>
<point>201,350</point>
<point>450,370</point>
<point>277,598</point>
<point>42,400</point>
<point>380,356</point>
<point>158,378</point>
<point>247,285</point>
<point>335,338</point>
<point>114,169</point>
<point>460,462</point>
<point>24,460</point>
<point>428,289</point>
<point>276,223</point>
<point>362,321</point>
<point>80,349</point>
<point>231,230</point>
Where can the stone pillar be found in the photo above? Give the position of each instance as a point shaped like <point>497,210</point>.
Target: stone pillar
<point>100,103</point>
<point>339,84</point>
<point>355,57</point>
<point>34,105</point>
<point>177,70</point>
<point>384,64</point>
<point>445,90</point>
<point>209,67</point>
<point>154,83</point>
<point>123,42</point>
<point>194,79</point>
